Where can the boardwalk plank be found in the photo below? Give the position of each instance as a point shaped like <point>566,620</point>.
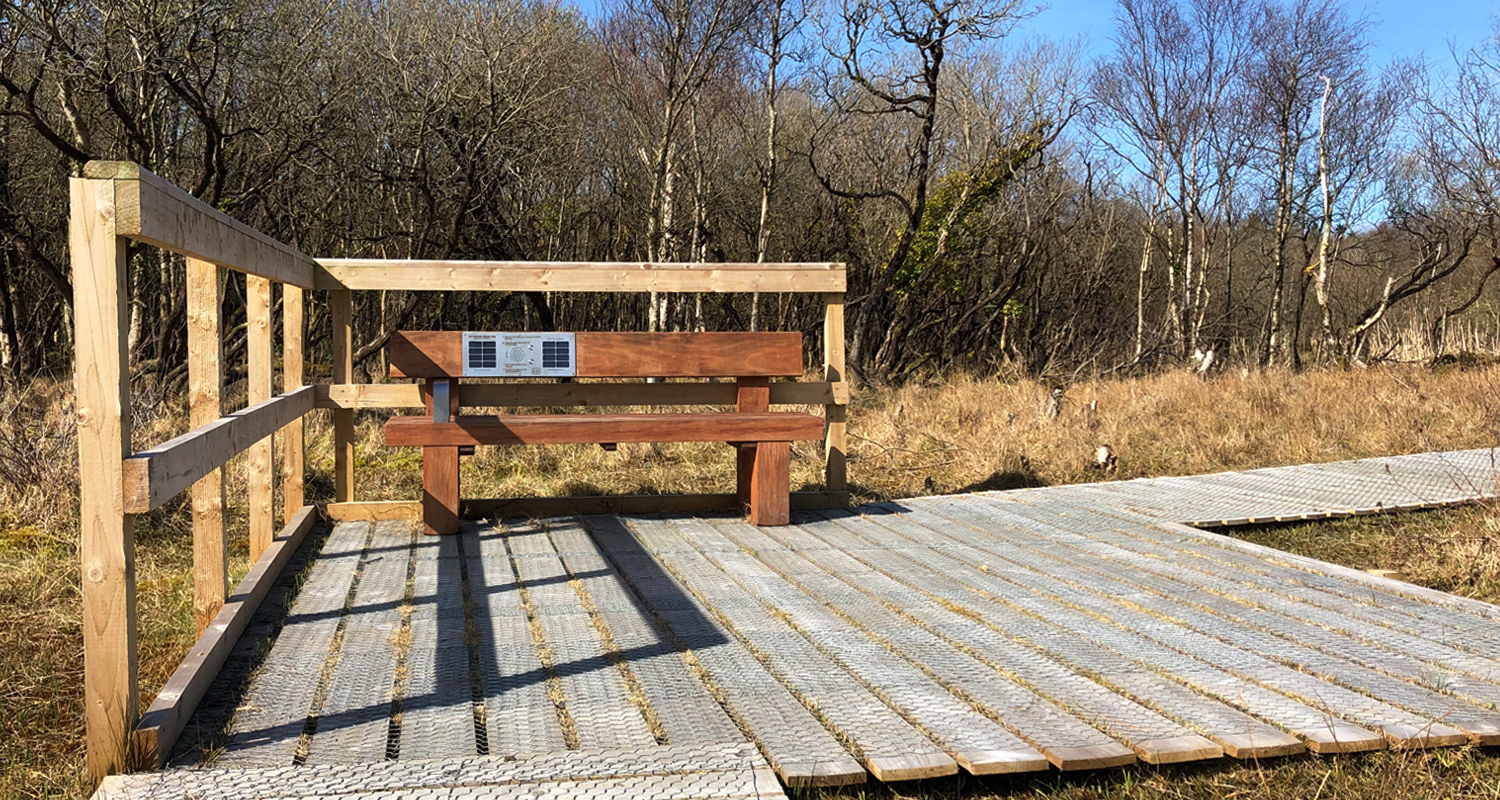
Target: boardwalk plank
<point>353,725</point>
<point>268,725</point>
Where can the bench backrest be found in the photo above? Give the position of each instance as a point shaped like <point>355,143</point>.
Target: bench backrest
<point>440,354</point>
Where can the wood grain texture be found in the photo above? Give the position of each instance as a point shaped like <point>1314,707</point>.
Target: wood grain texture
<point>752,395</point>
<point>373,511</point>
<point>154,211</point>
<point>439,471</point>
<point>770,483</point>
<point>293,436</point>
<point>261,462</point>
<point>205,296</point>
<point>835,436</point>
<point>439,354</point>
<point>583,395</point>
<point>601,428</point>
<point>911,768</point>
<point>1251,746</point>
<point>164,721</point>
<point>545,276</point>
<point>152,477</point>
<point>1178,749</point>
<point>1098,756</point>
<point>1000,762</point>
<point>342,311</point>
<point>106,536</point>
<point>439,490</point>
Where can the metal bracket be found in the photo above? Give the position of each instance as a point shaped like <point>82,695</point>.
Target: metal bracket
<point>440,401</point>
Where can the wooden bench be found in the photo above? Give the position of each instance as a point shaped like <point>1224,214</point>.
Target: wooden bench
<point>762,438</point>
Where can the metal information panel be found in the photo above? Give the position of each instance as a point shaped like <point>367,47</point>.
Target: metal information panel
<point>519,355</point>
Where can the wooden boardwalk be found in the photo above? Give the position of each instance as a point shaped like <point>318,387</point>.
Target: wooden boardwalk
<point>1068,628</point>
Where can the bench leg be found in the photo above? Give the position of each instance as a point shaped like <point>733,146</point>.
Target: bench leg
<point>439,490</point>
<point>771,484</point>
<point>744,467</point>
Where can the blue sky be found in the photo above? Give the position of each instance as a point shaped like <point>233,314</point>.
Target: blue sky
<point>1402,28</point>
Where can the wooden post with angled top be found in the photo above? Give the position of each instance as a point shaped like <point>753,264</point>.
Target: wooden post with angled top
<point>292,460</point>
<point>106,541</point>
<point>835,467</point>
<point>205,298</point>
<point>260,367</point>
<point>342,305</point>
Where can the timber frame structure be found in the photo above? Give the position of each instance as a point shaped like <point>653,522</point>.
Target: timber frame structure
<point>118,202</point>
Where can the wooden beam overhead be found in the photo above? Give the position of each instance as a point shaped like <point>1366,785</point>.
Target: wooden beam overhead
<point>548,276</point>
<point>151,210</point>
<point>151,477</point>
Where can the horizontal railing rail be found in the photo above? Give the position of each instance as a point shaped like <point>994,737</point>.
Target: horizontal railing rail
<point>152,477</point>
<point>554,276</point>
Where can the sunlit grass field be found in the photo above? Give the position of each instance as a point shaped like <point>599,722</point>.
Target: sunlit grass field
<point>961,434</point>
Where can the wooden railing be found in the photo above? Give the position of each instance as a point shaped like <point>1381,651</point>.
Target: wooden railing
<point>116,202</point>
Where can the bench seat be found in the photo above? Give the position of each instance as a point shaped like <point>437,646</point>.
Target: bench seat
<point>602,429</point>
<point>762,440</point>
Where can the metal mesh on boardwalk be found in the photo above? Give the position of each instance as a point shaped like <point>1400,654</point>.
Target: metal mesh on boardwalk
<point>1069,627</point>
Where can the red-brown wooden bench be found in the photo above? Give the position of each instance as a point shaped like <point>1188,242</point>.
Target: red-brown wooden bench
<point>762,438</point>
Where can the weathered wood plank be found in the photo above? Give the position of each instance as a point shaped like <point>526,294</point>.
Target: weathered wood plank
<point>205,295</point>
<point>293,458</point>
<point>151,210</point>
<point>342,311</point>
<point>163,722</point>
<point>602,428</point>
<point>439,354</point>
<point>151,477</point>
<point>769,481</point>
<point>544,276</point>
<point>373,510</point>
<point>835,436</point>
<point>439,471</point>
<point>106,545</point>
<point>557,395</point>
<point>262,456</point>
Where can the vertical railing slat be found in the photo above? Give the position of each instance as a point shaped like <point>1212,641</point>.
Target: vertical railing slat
<point>106,545</point>
<point>260,367</point>
<point>835,466</point>
<point>205,296</point>
<point>342,306</point>
<point>293,331</point>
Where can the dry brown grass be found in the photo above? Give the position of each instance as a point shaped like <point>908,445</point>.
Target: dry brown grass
<point>961,434</point>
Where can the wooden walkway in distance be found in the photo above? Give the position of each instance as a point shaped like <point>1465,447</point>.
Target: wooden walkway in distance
<point>1075,627</point>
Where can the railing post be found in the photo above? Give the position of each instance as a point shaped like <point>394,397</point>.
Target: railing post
<point>205,296</point>
<point>262,454</point>
<point>342,304</point>
<point>835,469</point>
<point>291,378</point>
<point>106,544</point>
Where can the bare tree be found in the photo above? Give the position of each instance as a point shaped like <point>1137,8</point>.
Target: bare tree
<point>890,55</point>
<point>661,53</point>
